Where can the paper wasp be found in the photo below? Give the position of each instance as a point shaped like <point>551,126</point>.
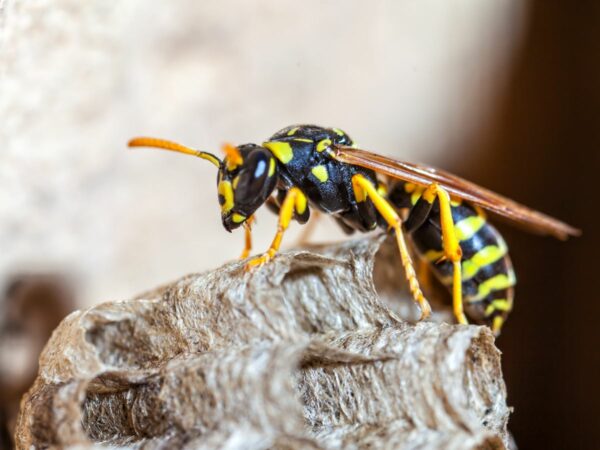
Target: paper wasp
<point>311,166</point>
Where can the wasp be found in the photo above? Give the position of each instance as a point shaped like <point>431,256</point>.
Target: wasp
<point>307,166</point>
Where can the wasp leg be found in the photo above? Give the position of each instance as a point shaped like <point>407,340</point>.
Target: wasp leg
<point>295,201</point>
<point>450,245</point>
<point>363,188</point>
<point>309,228</point>
<point>248,237</point>
<point>425,275</point>
<point>273,205</point>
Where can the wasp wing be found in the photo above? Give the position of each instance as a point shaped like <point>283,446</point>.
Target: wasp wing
<point>456,187</point>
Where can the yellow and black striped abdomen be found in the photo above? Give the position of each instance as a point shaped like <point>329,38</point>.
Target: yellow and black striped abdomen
<point>487,273</point>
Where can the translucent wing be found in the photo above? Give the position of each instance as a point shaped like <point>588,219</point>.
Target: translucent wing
<point>456,187</point>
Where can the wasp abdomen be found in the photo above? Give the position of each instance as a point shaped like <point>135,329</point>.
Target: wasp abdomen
<point>487,273</point>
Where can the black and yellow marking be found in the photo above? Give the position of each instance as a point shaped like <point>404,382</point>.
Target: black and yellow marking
<point>272,165</point>
<point>497,282</point>
<point>486,274</point>
<point>484,257</point>
<point>225,190</point>
<point>282,150</point>
<point>320,173</point>
<point>469,226</point>
<point>414,191</point>
<point>323,145</point>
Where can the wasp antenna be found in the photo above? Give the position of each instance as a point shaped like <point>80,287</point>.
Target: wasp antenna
<point>174,147</point>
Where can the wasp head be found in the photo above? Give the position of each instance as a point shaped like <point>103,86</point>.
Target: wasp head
<point>247,177</point>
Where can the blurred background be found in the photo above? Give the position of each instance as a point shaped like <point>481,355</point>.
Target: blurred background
<point>504,93</point>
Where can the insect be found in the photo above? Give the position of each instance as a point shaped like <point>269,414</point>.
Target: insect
<point>307,166</point>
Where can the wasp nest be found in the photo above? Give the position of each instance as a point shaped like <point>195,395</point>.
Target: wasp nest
<point>302,353</point>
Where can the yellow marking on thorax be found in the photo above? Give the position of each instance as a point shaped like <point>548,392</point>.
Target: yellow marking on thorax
<point>339,132</point>
<point>496,283</point>
<point>235,182</point>
<point>484,257</point>
<point>323,145</point>
<point>271,166</point>
<point>282,150</point>
<point>293,131</point>
<point>303,140</point>
<point>466,228</point>
<point>226,191</point>
<point>320,172</point>
<point>416,195</point>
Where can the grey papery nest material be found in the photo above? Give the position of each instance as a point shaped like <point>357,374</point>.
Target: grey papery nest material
<point>299,354</point>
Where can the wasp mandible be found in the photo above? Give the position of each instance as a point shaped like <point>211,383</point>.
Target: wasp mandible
<point>315,167</point>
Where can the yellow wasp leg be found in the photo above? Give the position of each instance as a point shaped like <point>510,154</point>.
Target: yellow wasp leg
<point>363,188</point>
<point>424,275</point>
<point>248,237</point>
<point>452,250</point>
<point>295,200</point>
<point>308,229</point>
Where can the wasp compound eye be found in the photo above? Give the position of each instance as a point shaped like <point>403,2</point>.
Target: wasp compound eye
<point>256,179</point>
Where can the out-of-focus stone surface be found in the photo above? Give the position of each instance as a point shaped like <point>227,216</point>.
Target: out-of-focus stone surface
<point>78,79</point>
<point>299,354</point>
